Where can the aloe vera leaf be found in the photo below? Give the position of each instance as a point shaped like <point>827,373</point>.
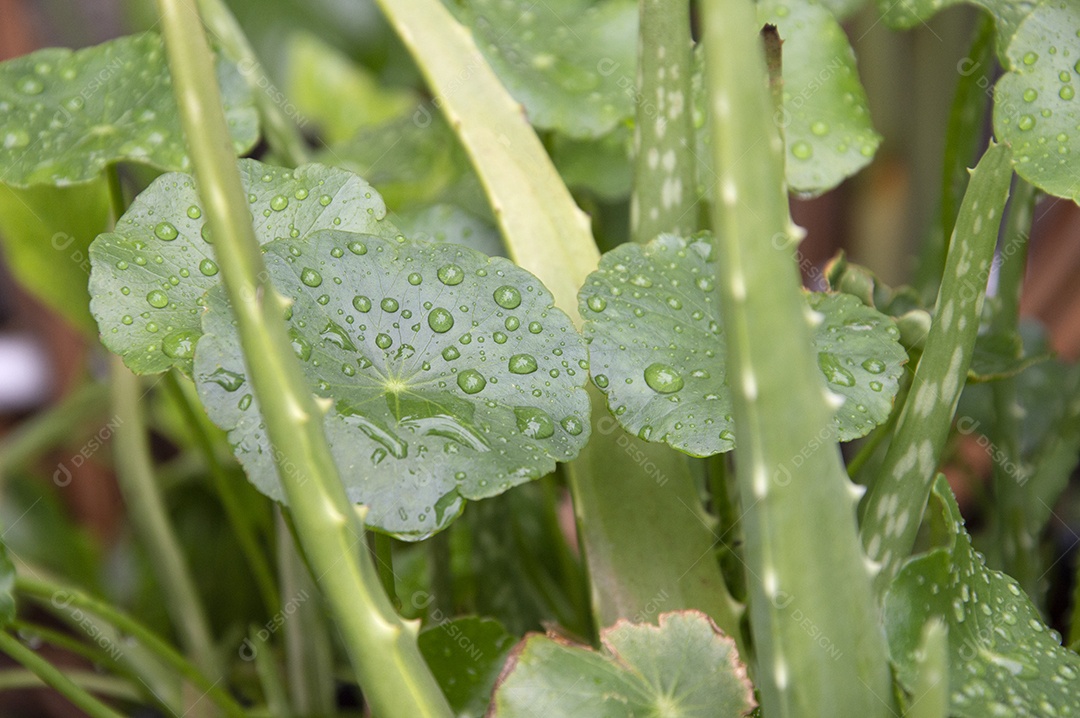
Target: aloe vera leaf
<point>893,508</point>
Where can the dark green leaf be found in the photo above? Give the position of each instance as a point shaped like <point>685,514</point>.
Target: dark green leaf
<point>452,375</point>
<point>150,274</point>
<point>658,350</point>
<point>683,668</point>
<point>571,63</point>
<point>65,116</point>
<point>1003,660</point>
<point>466,656</point>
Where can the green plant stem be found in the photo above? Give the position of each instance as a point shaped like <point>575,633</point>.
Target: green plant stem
<point>795,513</point>
<point>146,507</point>
<point>1017,540</point>
<point>55,678</point>
<point>43,431</point>
<point>89,681</point>
<point>280,131</point>
<point>230,500</point>
<point>663,197</point>
<point>382,548</point>
<point>277,702</point>
<point>61,598</point>
<point>62,641</point>
<point>381,647</point>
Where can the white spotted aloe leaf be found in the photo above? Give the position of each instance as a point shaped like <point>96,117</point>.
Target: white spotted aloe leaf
<point>571,63</point>
<point>66,116</point>
<point>451,375</point>
<point>150,273</point>
<point>658,349</point>
<point>893,508</point>
<point>682,668</point>
<point>824,114</point>
<point>1003,660</point>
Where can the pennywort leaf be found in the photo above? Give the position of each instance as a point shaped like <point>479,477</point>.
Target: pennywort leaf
<point>571,63</point>
<point>1034,107</point>
<point>150,273</point>
<point>658,350</point>
<point>894,505</point>
<point>67,115</point>
<point>1003,660</point>
<point>451,374</point>
<point>682,668</point>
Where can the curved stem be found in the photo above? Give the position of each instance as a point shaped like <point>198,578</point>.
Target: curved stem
<point>55,678</point>
<point>61,598</point>
<point>89,681</point>
<point>135,474</point>
<point>382,648</point>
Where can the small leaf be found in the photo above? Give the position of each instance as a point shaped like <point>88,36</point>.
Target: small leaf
<point>683,668</point>
<point>452,375</point>
<point>571,63</point>
<point>658,350</point>
<point>826,118</point>
<point>1036,110</point>
<point>65,116</point>
<point>150,274</point>
<point>466,655</point>
<point>7,588</point>
<point>1003,660</point>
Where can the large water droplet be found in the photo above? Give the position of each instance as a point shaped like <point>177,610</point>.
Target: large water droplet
<point>802,150</point>
<point>534,423</point>
<point>310,277</point>
<point>389,305</point>
<point>1026,122</point>
<point>335,334</point>
<point>180,345</point>
<point>507,297</point>
<point>451,274</point>
<point>415,279</point>
<point>874,366</point>
<point>279,202</point>
<point>522,364</point>
<point>166,231</point>
<point>596,303</point>
<point>834,371</point>
<point>471,381</point>
<point>572,425</point>
<point>440,320</point>
<point>227,380</point>
<point>450,353</point>
<point>158,299</point>
<point>301,346</point>
<point>208,267</point>
<point>383,341</point>
<point>601,381</point>
<point>662,378</point>
<point>362,303</point>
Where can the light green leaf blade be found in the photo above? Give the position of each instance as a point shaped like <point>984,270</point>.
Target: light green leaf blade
<point>571,63</point>
<point>450,223</point>
<point>149,275</point>
<point>452,375</point>
<point>826,116</point>
<point>466,655</point>
<point>7,588</point>
<point>336,94</point>
<point>682,668</point>
<point>843,9</point>
<point>1007,14</point>
<point>65,116</point>
<point>46,234</point>
<point>658,349</point>
<point>1035,106</point>
<point>1003,660</point>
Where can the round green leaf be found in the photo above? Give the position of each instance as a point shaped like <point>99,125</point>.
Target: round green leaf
<point>1036,108</point>
<point>571,63</point>
<point>452,374</point>
<point>825,114</point>
<point>149,275</point>
<point>1003,660</point>
<point>65,116</point>
<point>683,668</point>
<point>652,319</point>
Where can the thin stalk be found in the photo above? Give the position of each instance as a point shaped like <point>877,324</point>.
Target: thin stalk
<point>223,484</point>
<point>1016,538</point>
<point>89,681</point>
<point>309,659</point>
<point>382,549</point>
<point>663,198</point>
<point>280,131</point>
<point>277,702</point>
<point>63,641</point>
<point>43,431</point>
<point>55,678</point>
<point>795,514</point>
<point>60,598</point>
<point>382,648</point>
<point>146,507</point>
